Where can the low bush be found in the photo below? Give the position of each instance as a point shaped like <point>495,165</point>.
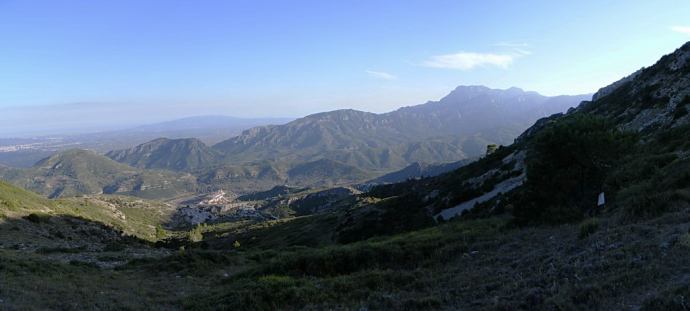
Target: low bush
<point>588,227</point>
<point>38,218</point>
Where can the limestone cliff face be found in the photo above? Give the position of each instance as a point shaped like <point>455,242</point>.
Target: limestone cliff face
<point>652,97</point>
<point>613,86</point>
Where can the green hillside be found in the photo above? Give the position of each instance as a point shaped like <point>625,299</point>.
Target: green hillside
<point>133,216</point>
<point>417,170</point>
<point>266,175</point>
<point>78,171</point>
<point>171,154</point>
<point>458,126</point>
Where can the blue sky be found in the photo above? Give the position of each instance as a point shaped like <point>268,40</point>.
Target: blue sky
<point>128,62</point>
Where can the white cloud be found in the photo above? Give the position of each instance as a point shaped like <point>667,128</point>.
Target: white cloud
<point>521,51</point>
<point>469,60</point>
<point>381,75</point>
<point>685,30</point>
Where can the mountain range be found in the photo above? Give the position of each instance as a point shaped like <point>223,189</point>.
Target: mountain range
<point>586,210</point>
<point>458,126</point>
<point>331,148</point>
<point>25,152</point>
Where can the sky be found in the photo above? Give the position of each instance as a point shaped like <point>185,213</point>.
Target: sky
<point>99,64</point>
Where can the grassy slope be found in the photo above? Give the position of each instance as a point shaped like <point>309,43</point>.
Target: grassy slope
<point>133,216</point>
<point>466,264</point>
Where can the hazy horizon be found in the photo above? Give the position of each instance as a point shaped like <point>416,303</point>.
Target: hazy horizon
<point>80,118</point>
<point>81,64</point>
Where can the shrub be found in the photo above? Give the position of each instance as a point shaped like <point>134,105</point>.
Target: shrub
<point>680,112</point>
<point>568,166</point>
<point>37,218</point>
<point>160,232</point>
<point>195,234</point>
<point>114,246</point>
<point>588,227</point>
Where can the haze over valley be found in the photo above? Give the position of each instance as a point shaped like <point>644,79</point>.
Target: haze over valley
<point>328,156</point>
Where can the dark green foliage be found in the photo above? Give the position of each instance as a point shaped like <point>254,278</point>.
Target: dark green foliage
<point>588,227</point>
<point>65,250</point>
<point>277,191</point>
<point>636,168</point>
<point>161,233</point>
<point>685,101</point>
<point>37,218</point>
<point>655,195</point>
<point>419,170</point>
<point>192,260</point>
<point>681,108</point>
<point>571,160</point>
<point>673,299</point>
<point>114,246</point>
<point>491,148</point>
<point>307,206</point>
<point>654,177</point>
<point>614,103</point>
<point>391,216</point>
<point>195,235</point>
<point>680,112</point>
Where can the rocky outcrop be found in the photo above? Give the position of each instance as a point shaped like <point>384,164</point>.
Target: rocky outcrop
<point>613,86</point>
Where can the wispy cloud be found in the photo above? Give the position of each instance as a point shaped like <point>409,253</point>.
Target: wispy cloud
<point>685,30</point>
<point>381,75</point>
<point>521,51</point>
<point>470,60</point>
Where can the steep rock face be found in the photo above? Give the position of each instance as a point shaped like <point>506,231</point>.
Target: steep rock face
<point>470,109</point>
<point>385,141</point>
<point>172,154</point>
<point>649,98</point>
<point>653,97</point>
<point>613,86</point>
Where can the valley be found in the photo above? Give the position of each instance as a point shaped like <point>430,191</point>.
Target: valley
<point>24,152</point>
<point>485,199</point>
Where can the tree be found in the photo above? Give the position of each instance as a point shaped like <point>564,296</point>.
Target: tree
<point>566,172</point>
<point>195,234</point>
<point>160,232</point>
<point>491,149</point>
